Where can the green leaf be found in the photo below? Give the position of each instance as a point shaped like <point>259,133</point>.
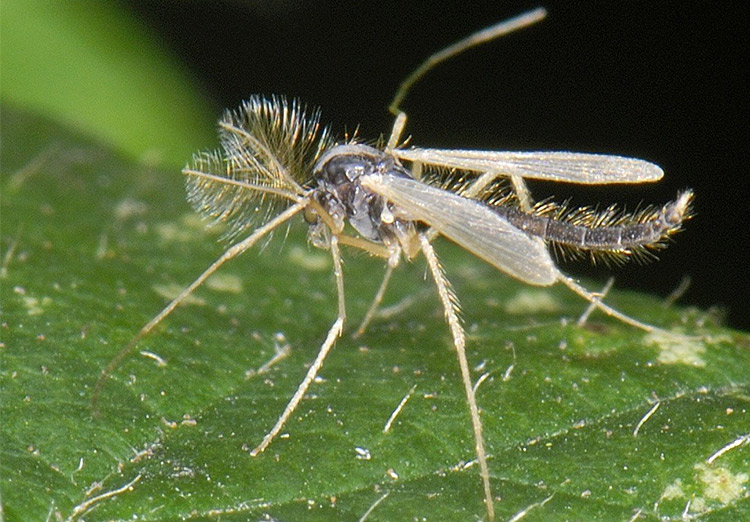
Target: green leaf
<point>93,66</point>
<point>91,245</point>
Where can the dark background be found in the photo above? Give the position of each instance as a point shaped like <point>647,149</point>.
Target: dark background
<point>654,80</point>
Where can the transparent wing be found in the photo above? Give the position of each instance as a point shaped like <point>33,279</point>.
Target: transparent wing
<point>470,224</point>
<point>568,167</point>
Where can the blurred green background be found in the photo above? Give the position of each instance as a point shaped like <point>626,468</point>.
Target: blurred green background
<point>92,65</point>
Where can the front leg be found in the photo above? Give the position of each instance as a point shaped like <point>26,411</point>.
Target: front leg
<point>333,333</point>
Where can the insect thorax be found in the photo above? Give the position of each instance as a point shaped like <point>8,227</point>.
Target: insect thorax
<point>338,190</point>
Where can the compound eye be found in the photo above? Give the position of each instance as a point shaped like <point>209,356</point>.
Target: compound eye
<point>336,173</point>
<point>346,169</point>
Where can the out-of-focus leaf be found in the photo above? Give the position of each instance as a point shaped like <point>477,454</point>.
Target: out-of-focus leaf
<point>91,245</point>
<point>91,65</point>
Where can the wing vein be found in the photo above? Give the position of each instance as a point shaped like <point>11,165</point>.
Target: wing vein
<point>567,167</point>
<point>470,224</point>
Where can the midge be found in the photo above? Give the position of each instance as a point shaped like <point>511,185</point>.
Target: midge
<point>277,162</point>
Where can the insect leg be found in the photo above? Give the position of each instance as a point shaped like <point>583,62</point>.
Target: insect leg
<point>484,35</point>
<point>375,302</point>
<point>416,170</point>
<point>519,186</point>
<point>522,192</point>
<point>374,249</point>
<point>333,334</point>
<point>397,131</point>
<point>231,252</point>
<point>596,301</point>
<point>392,254</point>
<point>450,306</point>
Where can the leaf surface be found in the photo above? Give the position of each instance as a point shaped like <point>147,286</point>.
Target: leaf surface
<point>94,245</point>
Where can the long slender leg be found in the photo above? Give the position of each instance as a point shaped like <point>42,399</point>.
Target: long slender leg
<point>474,39</point>
<point>333,334</point>
<point>376,250</point>
<point>371,248</point>
<point>398,129</point>
<point>596,301</point>
<point>522,192</point>
<point>450,305</point>
<point>482,181</point>
<point>375,302</point>
<point>519,185</point>
<point>231,252</point>
<point>417,168</point>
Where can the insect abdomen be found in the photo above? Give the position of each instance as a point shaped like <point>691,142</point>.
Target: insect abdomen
<point>602,232</point>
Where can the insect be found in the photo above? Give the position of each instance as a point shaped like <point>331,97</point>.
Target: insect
<point>278,162</point>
